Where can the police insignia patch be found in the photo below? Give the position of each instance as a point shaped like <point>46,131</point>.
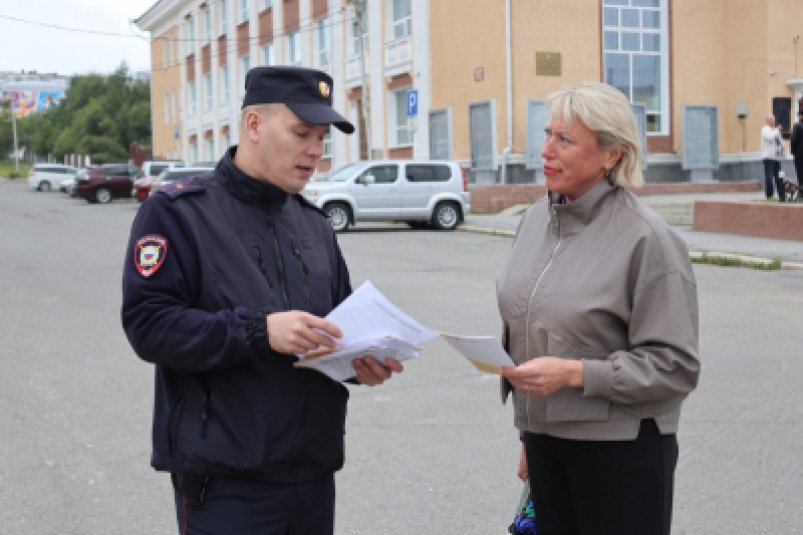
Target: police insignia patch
<point>149,253</point>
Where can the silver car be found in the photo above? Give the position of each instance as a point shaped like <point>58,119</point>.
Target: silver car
<point>420,192</point>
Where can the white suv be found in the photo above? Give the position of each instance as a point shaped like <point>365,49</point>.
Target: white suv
<point>49,176</point>
<point>420,192</point>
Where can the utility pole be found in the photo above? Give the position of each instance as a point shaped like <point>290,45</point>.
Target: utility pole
<point>361,29</point>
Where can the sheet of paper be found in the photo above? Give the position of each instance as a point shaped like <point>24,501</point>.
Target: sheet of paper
<point>368,315</point>
<point>371,326</point>
<point>337,364</point>
<point>484,352</point>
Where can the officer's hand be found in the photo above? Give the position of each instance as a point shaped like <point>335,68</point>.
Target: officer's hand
<point>297,332</point>
<point>370,372</point>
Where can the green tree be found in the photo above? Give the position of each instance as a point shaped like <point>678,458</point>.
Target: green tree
<point>100,116</point>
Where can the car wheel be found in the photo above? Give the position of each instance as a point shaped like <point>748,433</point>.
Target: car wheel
<point>103,195</point>
<point>339,216</point>
<point>446,216</point>
<point>44,185</point>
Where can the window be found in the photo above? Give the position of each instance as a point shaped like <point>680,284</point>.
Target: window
<point>359,40</point>
<point>207,25</point>
<point>399,110</point>
<point>193,151</point>
<point>428,173</point>
<point>265,4</point>
<point>268,54</point>
<point>224,84</point>
<point>225,140</point>
<point>209,149</point>
<point>324,42</point>
<point>245,65</point>
<point>402,23</point>
<point>383,174</point>
<point>635,56</point>
<point>439,135</point>
<point>294,49</point>
<point>208,92</point>
<point>327,145</point>
<point>189,36</point>
<point>223,16</point>
<point>244,11</point>
<point>167,108</point>
<point>192,97</point>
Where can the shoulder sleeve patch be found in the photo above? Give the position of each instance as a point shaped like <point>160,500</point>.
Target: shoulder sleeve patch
<point>150,252</point>
<point>194,184</point>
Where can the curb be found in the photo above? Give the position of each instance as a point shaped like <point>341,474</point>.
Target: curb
<point>756,262</point>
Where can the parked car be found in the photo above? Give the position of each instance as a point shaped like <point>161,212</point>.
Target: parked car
<point>148,172</point>
<point>102,183</point>
<point>178,173</point>
<point>48,176</point>
<point>420,192</point>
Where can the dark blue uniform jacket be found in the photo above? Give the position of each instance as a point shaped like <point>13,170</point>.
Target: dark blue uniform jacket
<point>234,250</point>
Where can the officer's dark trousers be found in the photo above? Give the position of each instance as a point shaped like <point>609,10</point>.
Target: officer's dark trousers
<point>238,506</point>
<point>771,170</point>
<point>584,487</point>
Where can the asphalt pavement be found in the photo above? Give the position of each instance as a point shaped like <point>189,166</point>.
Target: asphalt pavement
<point>744,249</point>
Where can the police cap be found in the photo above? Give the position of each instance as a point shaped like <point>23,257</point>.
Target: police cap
<point>307,92</point>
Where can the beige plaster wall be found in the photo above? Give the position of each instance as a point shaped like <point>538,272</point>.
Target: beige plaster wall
<point>164,79</point>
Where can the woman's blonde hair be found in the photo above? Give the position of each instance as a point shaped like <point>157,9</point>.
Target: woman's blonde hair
<point>605,111</point>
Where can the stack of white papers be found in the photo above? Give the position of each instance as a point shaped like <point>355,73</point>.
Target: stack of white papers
<point>373,326</point>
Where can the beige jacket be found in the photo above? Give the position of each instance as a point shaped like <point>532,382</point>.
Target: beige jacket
<point>603,279</point>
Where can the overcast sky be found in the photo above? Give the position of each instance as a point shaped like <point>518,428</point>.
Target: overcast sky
<point>61,36</point>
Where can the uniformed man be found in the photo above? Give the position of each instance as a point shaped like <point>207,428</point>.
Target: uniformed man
<point>228,276</point>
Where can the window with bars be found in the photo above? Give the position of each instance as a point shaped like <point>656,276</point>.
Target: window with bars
<point>636,58</point>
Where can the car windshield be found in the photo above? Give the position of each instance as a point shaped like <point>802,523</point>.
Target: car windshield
<point>343,173</point>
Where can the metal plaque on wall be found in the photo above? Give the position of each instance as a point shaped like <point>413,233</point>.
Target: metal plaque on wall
<point>547,64</point>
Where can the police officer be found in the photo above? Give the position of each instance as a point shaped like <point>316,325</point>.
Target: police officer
<point>227,277</point>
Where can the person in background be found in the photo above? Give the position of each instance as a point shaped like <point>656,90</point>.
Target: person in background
<point>228,277</point>
<point>599,304</point>
<point>796,145</point>
<point>770,139</point>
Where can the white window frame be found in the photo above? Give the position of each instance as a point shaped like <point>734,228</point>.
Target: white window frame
<point>641,31</point>
<point>269,54</point>
<point>244,13</point>
<point>225,140</point>
<point>209,93</point>
<point>223,16</point>
<point>327,145</point>
<point>265,4</point>
<point>245,65</point>
<point>209,149</point>
<point>189,36</point>
<point>399,122</point>
<point>223,75</point>
<point>192,98</point>
<point>207,25</point>
<point>323,43</point>
<point>402,27</point>
<point>294,54</point>
<point>167,108</point>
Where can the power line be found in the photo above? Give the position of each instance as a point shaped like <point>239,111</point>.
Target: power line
<point>76,30</point>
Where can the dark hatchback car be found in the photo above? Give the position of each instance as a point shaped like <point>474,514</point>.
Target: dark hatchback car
<point>102,183</point>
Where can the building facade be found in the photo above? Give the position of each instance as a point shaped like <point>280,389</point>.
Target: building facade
<point>466,80</point>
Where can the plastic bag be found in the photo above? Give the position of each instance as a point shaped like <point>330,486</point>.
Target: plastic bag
<point>524,521</point>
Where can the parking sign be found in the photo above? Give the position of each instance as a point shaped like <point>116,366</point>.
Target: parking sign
<point>412,102</point>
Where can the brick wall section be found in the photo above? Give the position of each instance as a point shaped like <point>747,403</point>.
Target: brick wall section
<point>762,219</point>
<point>494,198</point>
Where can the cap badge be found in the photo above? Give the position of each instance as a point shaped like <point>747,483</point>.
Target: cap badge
<point>149,253</point>
<point>323,87</point>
